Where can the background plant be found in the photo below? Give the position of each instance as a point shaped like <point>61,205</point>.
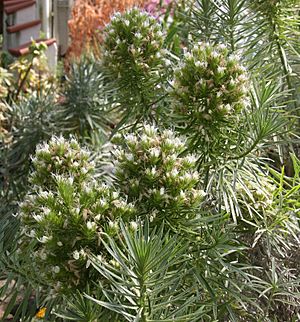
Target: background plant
<point>87,20</point>
<point>84,101</point>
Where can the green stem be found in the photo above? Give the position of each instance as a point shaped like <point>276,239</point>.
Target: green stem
<point>23,80</point>
<point>283,60</point>
<point>248,151</point>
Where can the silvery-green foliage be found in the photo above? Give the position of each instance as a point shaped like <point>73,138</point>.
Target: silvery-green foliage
<point>151,172</point>
<point>272,233</point>
<point>66,212</point>
<point>136,61</point>
<point>209,92</point>
<point>84,100</point>
<point>149,281</point>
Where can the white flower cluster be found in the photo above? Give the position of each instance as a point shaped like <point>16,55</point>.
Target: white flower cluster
<point>134,42</point>
<point>151,172</point>
<point>59,157</point>
<point>209,89</point>
<point>67,211</point>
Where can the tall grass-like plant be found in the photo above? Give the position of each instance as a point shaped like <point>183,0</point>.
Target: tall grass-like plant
<point>148,282</point>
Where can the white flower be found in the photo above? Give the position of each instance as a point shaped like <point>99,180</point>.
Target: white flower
<point>228,108</point>
<point>42,148</point>
<point>195,175</point>
<point>44,239</point>
<point>146,24</point>
<point>56,269</point>
<point>116,15</point>
<point>46,211</point>
<point>190,159</point>
<point>88,264</point>
<point>32,233</point>
<point>133,225</point>
<point>90,225</point>
<point>159,33</point>
<point>214,54</point>
<point>59,243</point>
<point>37,218</point>
<point>102,202</point>
<point>162,191</point>
<point>44,194</point>
<point>73,142</point>
<point>70,180</point>
<point>168,134</point>
<point>150,130</point>
<point>242,78</point>
<point>113,224</point>
<point>182,195</point>
<point>76,255</point>
<point>115,195</point>
<point>131,139</point>
<point>220,69</point>
<point>199,194</point>
<point>174,173</point>
<point>199,64</point>
<point>129,156</point>
<point>155,152</point>
<point>188,55</point>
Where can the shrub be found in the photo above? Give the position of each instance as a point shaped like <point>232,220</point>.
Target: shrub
<point>209,92</point>
<point>151,172</point>
<point>136,61</point>
<point>67,213</point>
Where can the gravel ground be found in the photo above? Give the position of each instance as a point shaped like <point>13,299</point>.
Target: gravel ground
<point>3,305</point>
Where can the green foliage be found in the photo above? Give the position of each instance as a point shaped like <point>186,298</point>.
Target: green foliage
<point>147,284</point>
<point>84,101</point>
<point>126,233</point>
<point>28,122</point>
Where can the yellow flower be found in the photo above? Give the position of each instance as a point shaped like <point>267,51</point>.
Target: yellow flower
<point>41,313</point>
